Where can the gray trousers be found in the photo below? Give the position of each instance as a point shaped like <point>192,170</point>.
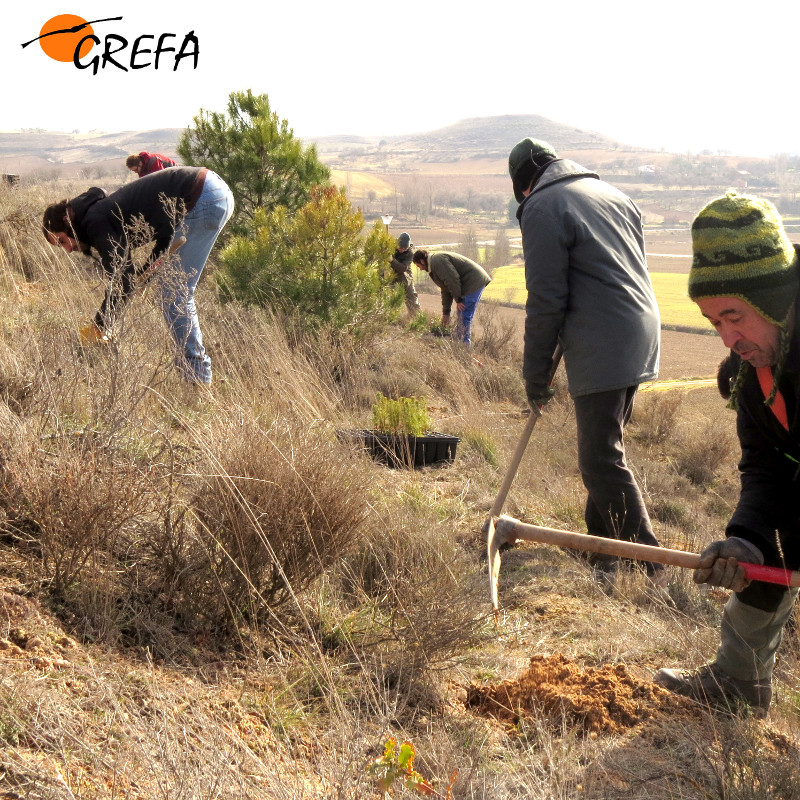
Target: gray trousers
<point>614,506</point>
<point>750,637</point>
<point>412,301</point>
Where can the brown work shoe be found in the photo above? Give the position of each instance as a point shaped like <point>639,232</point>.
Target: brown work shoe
<point>713,686</point>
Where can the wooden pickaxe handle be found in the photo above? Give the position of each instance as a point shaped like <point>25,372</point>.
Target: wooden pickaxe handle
<point>524,438</point>
<point>492,546</point>
<point>641,552</point>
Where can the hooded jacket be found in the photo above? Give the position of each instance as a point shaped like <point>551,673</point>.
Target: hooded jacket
<point>768,511</point>
<point>588,285</point>
<point>147,210</point>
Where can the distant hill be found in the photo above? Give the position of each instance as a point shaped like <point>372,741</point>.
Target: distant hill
<point>488,138</point>
<point>477,137</point>
<point>480,137</point>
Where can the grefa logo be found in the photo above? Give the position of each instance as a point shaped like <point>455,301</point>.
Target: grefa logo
<point>68,37</point>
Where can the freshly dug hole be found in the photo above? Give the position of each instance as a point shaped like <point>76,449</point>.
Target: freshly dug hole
<point>604,700</point>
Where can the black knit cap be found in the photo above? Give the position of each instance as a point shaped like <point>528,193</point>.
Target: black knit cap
<point>741,250</point>
<point>526,157</point>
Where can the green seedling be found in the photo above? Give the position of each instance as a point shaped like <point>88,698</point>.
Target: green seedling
<point>397,764</point>
<point>408,415</point>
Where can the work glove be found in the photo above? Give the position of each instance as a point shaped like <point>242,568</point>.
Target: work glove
<point>719,563</point>
<point>538,396</point>
<point>91,334</point>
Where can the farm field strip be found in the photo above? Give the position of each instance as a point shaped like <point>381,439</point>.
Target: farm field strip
<point>677,383</point>
<point>508,286</point>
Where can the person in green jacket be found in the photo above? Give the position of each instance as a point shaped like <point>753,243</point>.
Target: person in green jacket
<point>460,279</point>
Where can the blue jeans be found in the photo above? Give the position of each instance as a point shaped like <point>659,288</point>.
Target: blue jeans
<point>463,330</point>
<point>201,227</point>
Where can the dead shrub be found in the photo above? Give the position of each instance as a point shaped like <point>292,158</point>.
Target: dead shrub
<point>252,350</point>
<point>72,499</point>
<point>17,385</point>
<point>276,508</point>
<point>700,453</point>
<point>341,358</point>
<point>424,608</point>
<point>655,415</point>
<point>498,382</point>
<point>396,383</point>
<point>22,244</point>
<point>497,337</point>
<point>445,367</point>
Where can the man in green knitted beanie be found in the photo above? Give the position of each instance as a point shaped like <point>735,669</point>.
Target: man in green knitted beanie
<point>744,279</point>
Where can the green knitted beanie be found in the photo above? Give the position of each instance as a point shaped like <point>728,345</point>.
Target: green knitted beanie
<point>522,163</point>
<point>741,250</point>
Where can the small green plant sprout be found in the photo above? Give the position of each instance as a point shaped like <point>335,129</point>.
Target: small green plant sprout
<point>407,415</point>
<point>397,764</point>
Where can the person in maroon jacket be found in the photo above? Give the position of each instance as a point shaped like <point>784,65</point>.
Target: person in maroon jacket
<point>144,163</point>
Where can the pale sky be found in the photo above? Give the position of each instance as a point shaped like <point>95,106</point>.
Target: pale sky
<point>685,75</point>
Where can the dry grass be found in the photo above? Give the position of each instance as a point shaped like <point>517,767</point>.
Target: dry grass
<point>206,595</point>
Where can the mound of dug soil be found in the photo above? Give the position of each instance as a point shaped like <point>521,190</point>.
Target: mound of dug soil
<point>604,700</point>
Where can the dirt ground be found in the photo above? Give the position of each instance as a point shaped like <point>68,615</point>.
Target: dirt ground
<point>683,355</point>
<point>605,700</point>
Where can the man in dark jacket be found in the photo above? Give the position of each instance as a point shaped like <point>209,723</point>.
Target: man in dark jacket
<point>188,206</point>
<point>401,264</point>
<point>589,290</point>
<point>744,278</point>
<point>144,163</point>
<point>459,279</point>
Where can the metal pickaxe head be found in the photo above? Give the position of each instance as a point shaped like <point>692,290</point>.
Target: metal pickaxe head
<point>499,533</point>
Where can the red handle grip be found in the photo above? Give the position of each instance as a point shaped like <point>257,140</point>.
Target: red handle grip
<point>755,572</point>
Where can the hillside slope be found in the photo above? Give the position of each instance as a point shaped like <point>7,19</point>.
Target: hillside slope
<point>480,137</point>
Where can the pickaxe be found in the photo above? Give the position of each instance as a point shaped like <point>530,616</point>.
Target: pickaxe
<point>508,530</point>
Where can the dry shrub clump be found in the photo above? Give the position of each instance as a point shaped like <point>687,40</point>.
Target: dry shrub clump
<point>252,349</point>
<point>655,415</point>
<point>701,451</point>
<point>18,381</point>
<point>22,245</point>
<point>75,501</point>
<point>409,602</point>
<point>420,570</point>
<point>498,339</point>
<point>275,509</point>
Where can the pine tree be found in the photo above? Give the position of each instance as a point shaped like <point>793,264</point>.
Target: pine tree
<point>256,154</point>
<point>314,265</point>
